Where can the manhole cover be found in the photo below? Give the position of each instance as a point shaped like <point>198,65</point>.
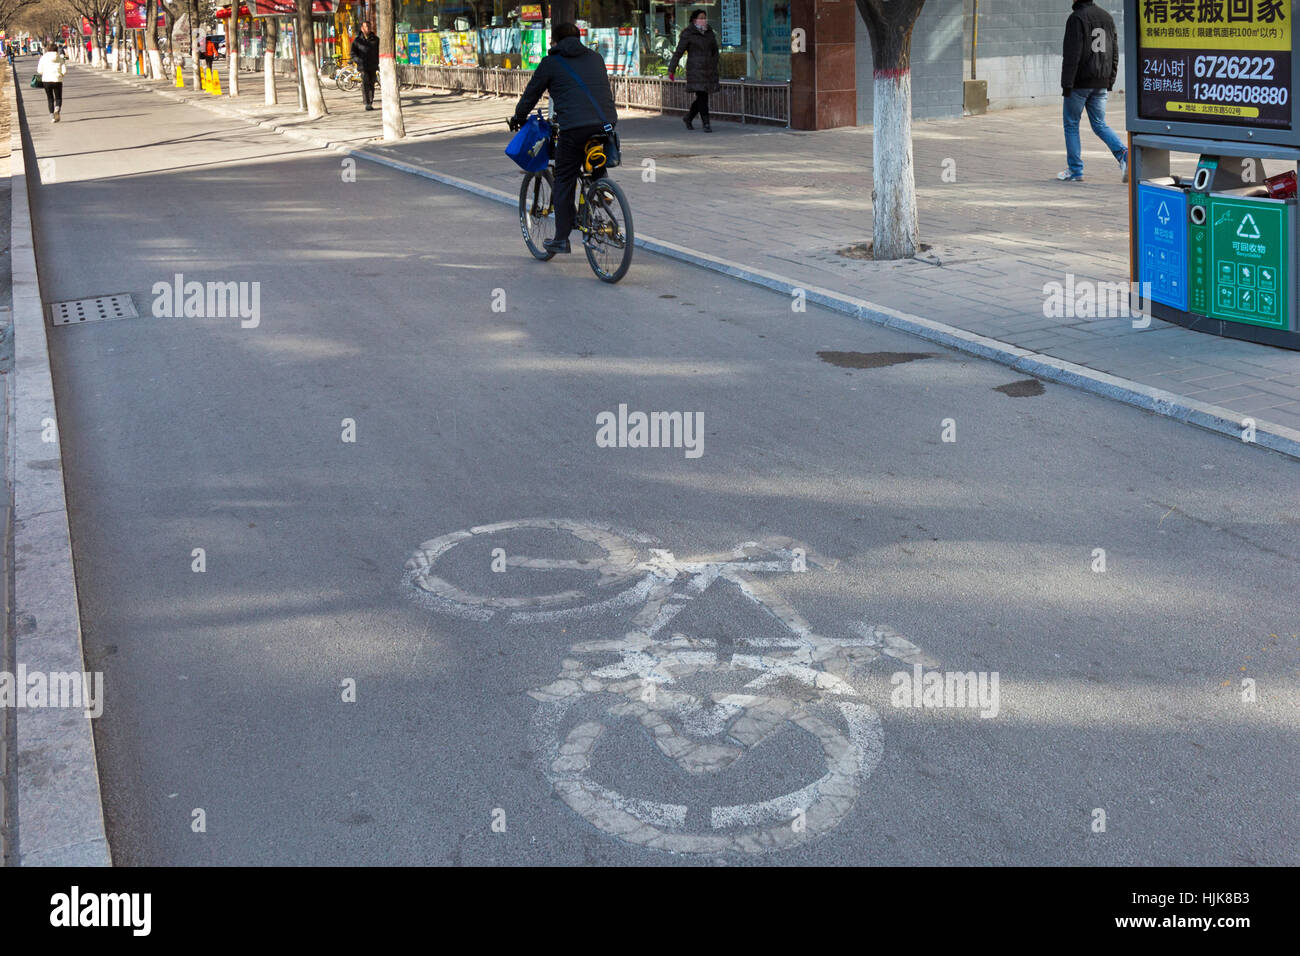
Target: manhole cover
<point>96,309</point>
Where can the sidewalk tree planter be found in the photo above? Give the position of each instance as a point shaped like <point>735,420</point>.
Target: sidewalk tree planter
<point>895,233</point>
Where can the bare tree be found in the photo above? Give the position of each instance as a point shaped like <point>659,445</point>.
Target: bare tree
<point>151,39</point>
<point>307,60</point>
<point>268,60</point>
<point>232,49</point>
<point>895,232</point>
<point>389,88</point>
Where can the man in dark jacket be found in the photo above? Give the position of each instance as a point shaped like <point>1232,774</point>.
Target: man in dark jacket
<point>579,117</point>
<point>1090,63</point>
<point>365,53</point>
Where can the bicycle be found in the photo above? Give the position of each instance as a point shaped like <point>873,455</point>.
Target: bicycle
<point>604,216</point>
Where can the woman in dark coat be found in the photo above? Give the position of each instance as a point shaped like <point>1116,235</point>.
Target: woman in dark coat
<point>700,44</point>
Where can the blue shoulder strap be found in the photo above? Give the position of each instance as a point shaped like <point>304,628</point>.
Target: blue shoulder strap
<point>599,112</point>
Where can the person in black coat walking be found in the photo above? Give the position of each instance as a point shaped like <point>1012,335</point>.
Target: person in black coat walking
<point>700,44</point>
<point>1089,65</point>
<point>365,53</point>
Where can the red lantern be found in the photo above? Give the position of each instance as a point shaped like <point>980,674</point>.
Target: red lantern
<point>222,13</point>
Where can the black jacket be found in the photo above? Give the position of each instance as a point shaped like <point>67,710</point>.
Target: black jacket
<point>365,51</point>
<point>1090,59</point>
<point>701,49</point>
<point>573,108</point>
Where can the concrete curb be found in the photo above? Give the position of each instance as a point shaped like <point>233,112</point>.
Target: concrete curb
<point>1215,418</point>
<point>59,810</point>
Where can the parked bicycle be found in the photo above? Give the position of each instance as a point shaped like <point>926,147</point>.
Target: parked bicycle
<point>604,216</point>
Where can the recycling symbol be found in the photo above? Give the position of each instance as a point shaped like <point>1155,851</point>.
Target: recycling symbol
<point>1248,223</point>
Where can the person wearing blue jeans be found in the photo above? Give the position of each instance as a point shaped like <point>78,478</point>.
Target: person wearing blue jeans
<point>1089,65</point>
<point>1094,101</point>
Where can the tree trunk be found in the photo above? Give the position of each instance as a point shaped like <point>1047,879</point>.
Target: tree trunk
<point>895,232</point>
<point>151,39</point>
<point>97,43</point>
<point>307,61</point>
<point>389,88</point>
<point>232,48</point>
<point>196,70</point>
<point>268,59</point>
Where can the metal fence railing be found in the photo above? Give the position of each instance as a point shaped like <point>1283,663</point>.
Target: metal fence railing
<point>743,100</point>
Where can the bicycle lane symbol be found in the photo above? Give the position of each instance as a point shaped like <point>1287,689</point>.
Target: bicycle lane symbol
<point>754,687</point>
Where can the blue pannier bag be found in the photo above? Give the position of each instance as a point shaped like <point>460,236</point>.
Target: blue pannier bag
<point>531,146</point>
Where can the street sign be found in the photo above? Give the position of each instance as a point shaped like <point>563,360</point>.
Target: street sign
<point>1219,69</point>
<point>1162,243</point>
<point>1248,256</point>
<point>1215,60</point>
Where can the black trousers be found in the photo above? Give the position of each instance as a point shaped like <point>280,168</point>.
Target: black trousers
<point>54,95</point>
<point>368,86</point>
<point>568,160</point>
<point>700,107</point>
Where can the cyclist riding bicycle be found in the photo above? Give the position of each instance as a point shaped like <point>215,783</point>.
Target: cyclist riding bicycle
<point>577,115</point>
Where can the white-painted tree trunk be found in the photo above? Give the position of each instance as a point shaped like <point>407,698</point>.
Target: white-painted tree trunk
<point>268,70</point>
<point>232,59</point>
<point>156,65</point>
<point>895,233</point>
<point>311,84</point>
<point>391,99</point>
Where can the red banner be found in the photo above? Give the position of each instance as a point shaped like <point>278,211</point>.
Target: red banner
<point>287,8</point>
<point>135,15</point>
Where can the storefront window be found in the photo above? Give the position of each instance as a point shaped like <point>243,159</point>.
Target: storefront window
<point>635,37</point>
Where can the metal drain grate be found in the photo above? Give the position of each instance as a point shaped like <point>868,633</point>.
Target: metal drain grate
<point>97,309</point>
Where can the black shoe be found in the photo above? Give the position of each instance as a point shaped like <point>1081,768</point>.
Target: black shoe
<point>687,121</point>
<point>707,127</point>
<point>369,107</point>
<point>556,245</point>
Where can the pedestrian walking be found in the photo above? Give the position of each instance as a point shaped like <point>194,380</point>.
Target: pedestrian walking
<point>51,66</point>
<point>365,54</point>
<point>1090,63</point>
<point>209,52</point>
<point>700,44</point>
<point>578,82</point>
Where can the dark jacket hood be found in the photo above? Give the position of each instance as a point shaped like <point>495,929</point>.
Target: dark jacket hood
<point>569,46</point>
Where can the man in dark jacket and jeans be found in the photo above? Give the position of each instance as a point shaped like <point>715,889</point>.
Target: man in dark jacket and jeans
<point>1088,69</point>
<point>579,117</point>
<point>365,53</point>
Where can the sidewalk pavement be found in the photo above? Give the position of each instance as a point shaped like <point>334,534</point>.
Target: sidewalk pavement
<point>778,206</point>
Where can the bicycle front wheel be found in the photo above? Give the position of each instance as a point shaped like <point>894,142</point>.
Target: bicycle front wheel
<point>608,240</point>
<point>345,82</point>
<point>537,212</point>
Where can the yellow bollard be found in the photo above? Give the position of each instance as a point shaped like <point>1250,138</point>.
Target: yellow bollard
<point>216,83</point>
<point>180,78</point>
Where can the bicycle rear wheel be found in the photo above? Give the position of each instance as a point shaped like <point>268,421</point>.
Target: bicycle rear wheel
<point>608,242</point>
<point>345,81</point>
<point>537,212</point>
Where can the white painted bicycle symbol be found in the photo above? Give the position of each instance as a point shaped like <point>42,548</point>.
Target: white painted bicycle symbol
<point>705,703</point>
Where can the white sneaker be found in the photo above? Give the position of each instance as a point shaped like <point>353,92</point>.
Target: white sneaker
<point>1123,169</point>
<point>1066,176</point>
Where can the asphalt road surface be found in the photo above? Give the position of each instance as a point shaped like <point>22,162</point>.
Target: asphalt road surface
<point>641,655</point>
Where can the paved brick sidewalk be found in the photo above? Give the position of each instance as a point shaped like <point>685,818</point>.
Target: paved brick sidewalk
<point>786,202</point>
